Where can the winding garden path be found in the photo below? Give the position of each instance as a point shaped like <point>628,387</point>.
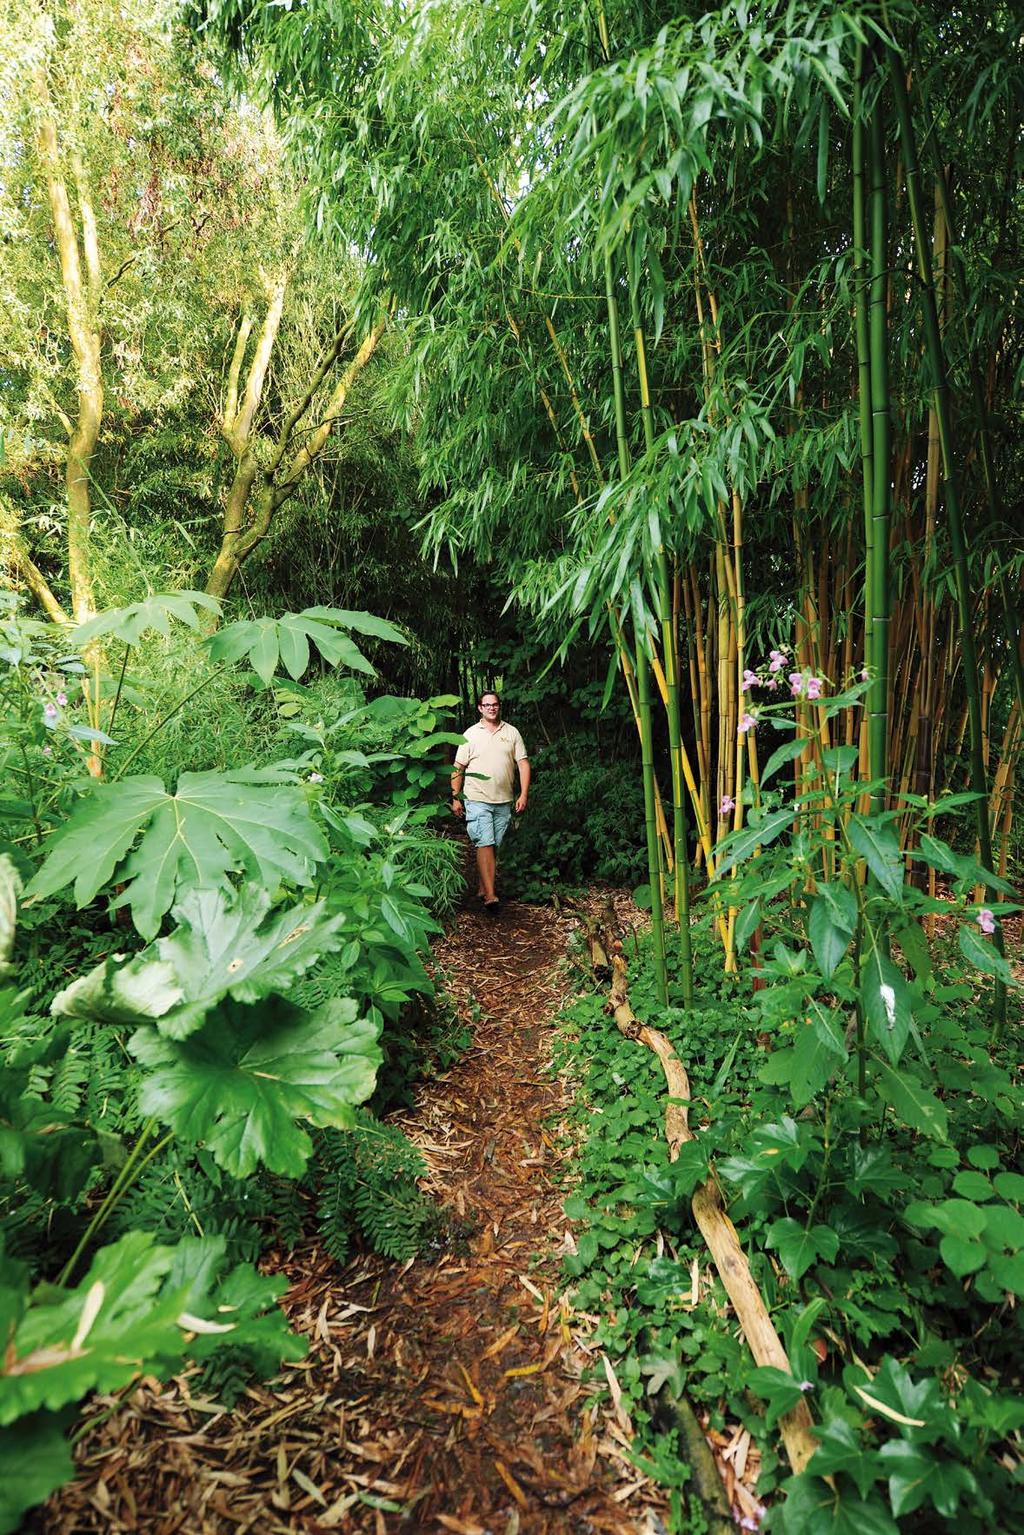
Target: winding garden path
<point>445,1395</point>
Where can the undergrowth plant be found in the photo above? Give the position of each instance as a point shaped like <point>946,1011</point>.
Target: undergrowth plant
<point>179,1078</point>
<point>848,1099</point>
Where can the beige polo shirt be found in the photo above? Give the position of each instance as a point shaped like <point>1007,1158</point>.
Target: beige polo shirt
<point>493,754</point>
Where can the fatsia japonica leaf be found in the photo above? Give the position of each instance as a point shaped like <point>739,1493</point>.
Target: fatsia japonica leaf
<point>157,843</point>
<point>269,642</point>
<point>244,1080</point>
<point>221,947</point>
<point>156,613</point>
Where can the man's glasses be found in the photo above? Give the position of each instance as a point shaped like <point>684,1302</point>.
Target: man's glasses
<point>490,706</point>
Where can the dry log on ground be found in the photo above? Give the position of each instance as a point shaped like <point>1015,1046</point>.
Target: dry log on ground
<point>715,1226</point>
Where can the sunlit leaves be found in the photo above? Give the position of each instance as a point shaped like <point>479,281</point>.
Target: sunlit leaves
<point>156,843</point>
<point>242,1083</point>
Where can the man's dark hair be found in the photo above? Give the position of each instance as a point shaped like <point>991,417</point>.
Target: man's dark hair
<point>487,693</point>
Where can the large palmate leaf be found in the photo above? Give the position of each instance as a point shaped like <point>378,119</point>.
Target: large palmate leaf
<point>269,642</point>
<point>141,1308</point>
<point>222,947</point>
<point>157,843</point>
<point>156,612</point>
<point>243,1081</point>
<point>96,1337</point>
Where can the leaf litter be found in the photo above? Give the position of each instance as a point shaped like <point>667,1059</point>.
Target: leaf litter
<point>443,1394</point>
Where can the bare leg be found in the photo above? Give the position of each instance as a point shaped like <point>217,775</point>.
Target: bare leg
<point>486,868</point>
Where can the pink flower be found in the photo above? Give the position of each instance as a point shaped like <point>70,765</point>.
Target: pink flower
<point>316,778</point>
<point>986,920</point>
<point>50,712</point>
<point>748,722</point>
<point>751,679</point>
<point>814,687</point>
<point>62,699</point>
<point>777,660</point>
<point>865,675</point>
<point>47,751</point>
<point>772,683</point>
<point>728,804</point>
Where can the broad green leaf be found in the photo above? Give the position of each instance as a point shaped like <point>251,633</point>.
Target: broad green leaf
<point>35,1459</point>
<point>746,923</point>
<point>962,1255</point>
<point>155,613</point>
<point>1008,1272</point>
<point>787,752</point>
<point>244,1080</point>
<point>915,1473</point>
<point>780,1390</point>
<point>886,1000</point>
<point>663,1282</point>
<point>877,845</point>
<point>839,1449</point>
<point>740,845</point>
<point>241,1305</point>
<point>267,641</point>
<point>97,1337</point>
<point>983,956</point>
<point>911,939</point>
<point>828,928</point>
<point>1010,1186</point>
<point>912,1102</point>
<point>219,949</point>
<point>10,889</point>
<point>973,1185</point>
<point>941,856</point>
<point>160,844</point>
<point>798,1248</point>
<point>811,1507</point>
<point>377,628</point>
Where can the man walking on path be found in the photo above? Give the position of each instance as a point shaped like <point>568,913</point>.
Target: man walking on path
<point>487,760</point>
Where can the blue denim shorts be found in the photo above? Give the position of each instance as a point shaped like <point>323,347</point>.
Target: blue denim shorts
<point>487,824</point>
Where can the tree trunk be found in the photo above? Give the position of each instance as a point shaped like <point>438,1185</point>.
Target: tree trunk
<point>81,297</point>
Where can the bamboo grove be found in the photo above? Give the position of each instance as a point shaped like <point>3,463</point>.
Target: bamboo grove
<point>820,327</point>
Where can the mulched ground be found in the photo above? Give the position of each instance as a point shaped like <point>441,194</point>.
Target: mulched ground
<point>445,1395</point>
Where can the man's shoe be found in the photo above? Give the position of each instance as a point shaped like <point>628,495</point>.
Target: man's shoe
<point>492,907</point>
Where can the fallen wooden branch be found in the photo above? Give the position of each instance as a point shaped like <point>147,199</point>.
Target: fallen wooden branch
<point>715,1226</point>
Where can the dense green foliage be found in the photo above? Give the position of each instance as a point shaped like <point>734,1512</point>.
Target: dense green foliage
<point>674,338</point>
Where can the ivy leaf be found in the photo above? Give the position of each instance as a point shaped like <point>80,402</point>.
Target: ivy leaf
<point>878,847</point>
<point>219,949</point>
<point>240,1084</point>
<point>886,1000</point>
<point>912,1102</point>
<point>158,843</point>
<point>984,956</point>
<point>839,1449</point>
<point>812,1508</point>
<point>780,1390</point>
<point>915,1474</point>
<point>156,612</point>
<point>798,1248</point>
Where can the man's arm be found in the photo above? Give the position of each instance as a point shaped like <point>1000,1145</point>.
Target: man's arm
<point>458,774</point>
<point>524,784</point>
